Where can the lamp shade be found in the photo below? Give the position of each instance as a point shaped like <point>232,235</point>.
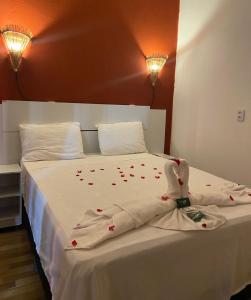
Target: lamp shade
<point>16,40</point>
<point>155,63</point>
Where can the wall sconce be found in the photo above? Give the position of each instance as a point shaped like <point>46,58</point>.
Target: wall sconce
<point>155,63</point>
<point>16,40</point>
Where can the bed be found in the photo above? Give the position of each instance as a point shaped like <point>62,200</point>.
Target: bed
<point>147,263</point>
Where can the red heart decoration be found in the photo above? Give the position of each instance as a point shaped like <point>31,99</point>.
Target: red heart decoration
<point>74,243</point>
<point>99,210</point>
<point>157,177</point>
<point>131,175</point>
<point>176,160</point>
<point>164,198</point>
<point>204,225</point>
<point>111,227</point>
<point>90,183</point>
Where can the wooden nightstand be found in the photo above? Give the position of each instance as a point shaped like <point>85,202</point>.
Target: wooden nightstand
<point>10,196</point>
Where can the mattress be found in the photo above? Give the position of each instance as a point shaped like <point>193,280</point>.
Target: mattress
<point>147,263</point>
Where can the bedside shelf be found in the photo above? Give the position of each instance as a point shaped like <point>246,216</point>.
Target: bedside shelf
<point>9,212</point>
<point>10,196</point>
<point>9,191</point>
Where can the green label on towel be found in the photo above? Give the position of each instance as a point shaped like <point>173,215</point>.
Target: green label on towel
<point>183,202</point>
<point>196,216</point>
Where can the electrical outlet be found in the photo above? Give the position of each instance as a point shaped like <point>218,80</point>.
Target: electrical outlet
<point>241,115</point>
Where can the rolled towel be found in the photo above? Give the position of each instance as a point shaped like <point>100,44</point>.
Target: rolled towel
<point>171,169</point>
<point>99,225</point>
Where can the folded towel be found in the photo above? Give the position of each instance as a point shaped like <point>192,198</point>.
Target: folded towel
<point>198,210</point>
<point>178,219</point>
<point>102,224</point>
<point>201,204</point>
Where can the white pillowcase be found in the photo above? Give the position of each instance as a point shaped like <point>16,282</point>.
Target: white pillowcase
<point>121,138</point>
<point>51,141</point>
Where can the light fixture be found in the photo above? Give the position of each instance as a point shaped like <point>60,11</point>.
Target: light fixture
<point>16,40</point>
<point>155,63</point>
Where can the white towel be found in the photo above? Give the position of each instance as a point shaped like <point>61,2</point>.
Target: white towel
<point>205,201</point>
<point>102,224</point>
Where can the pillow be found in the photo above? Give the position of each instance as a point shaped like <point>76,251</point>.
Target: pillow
<point>121,138</point>
<point>51,141</point>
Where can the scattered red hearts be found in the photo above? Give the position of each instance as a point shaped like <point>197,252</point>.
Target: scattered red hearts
<point>90,183</point>
<point>99,210</point>
<point>113,183</point>
<point>164,198</point>
<point>176,160</point>
<point>74,243</point>
<point>157,177</point>
<point>204,225</point>
<point>231,198</point>
<point>122,175</point>
<point>111,227</point>
<point>131,175</point>
<point>142,177</point>
<point>180,181</point>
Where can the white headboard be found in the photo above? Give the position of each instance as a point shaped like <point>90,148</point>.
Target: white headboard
<point>12,113</point>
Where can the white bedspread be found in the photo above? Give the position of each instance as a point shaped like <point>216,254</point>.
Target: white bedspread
<point>144,264</point>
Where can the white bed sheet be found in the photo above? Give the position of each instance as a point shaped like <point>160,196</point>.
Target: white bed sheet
<point>144,264</point>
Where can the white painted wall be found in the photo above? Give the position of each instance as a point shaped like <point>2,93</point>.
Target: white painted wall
<point>213,81</point>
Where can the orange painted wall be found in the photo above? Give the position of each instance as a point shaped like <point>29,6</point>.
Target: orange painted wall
<point>92,51</point>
